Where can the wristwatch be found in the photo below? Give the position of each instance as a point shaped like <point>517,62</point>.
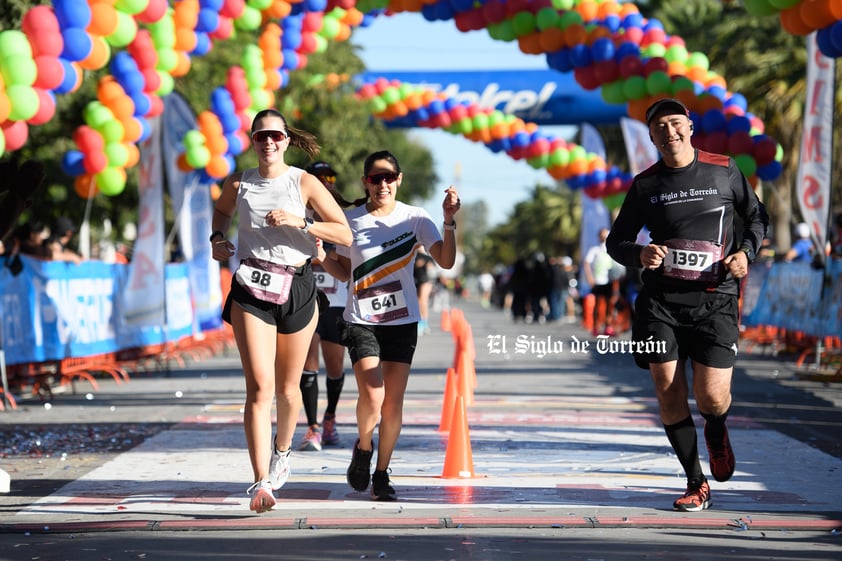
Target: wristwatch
<point>216,233</point>
<point>749,253</point>
<point>307,223</point>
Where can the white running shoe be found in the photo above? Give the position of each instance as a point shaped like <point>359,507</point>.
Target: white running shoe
<point>279,468</point>
<point>262,499</point>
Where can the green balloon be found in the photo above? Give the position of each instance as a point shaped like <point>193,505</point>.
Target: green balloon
<point>14,43</point>
<point>571,17</point>
<point>96,114</point>
<point>613,202</point>
<point>167,60</point>
<point>260,5</point>
<point>163,33</point>
<point>117,154</point>
<point>538,162</point>
<point>391,95</point>
<point>681,84</point>
<point>131,7</point>
<point>260,98</point>
<point>523,23</point>
<point>699,60</point>
<point>759,8</point>
<point>197,156</point>
<point>330,27</point>
<point>112,131</point>
<point>193,139</point>
<point>494,31</point>
<point>614,92</point>
<point>167,83</point>
<point>18,70</point>
<point>783,4</point>
<point>125,32</point>
<point>464,126</point>
<point>578,153</point>
<point>635,87</point>
<point>480,121</point>
<point>111,181</point>
<point>546,18</point>
<point>23,101</point>
<point>653,50</point>
<point>676,53</point>
<point>496,117</point>
<point>564,4</point>
<point>658,82</point>
<point>249,20</point>
<point>559,157</point>
<point>377,105</point>
<point>507,31</point>
<point>746,163</point>
<point>321,43</point>
<point>2,145</point>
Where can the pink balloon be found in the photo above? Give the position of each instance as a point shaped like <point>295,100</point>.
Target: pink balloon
<point>152,80</point>
<point>232,8</point>
<point>311,22</point>
<point>45,42</point>
<point>39,18</point>
<point>16,134</point>
<point>155,10</point>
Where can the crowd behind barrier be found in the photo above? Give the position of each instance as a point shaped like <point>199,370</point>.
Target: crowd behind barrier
<point>65,320</point>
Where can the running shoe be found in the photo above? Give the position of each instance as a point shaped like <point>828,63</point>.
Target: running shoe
<point>261,496</point>
<point>312,441</point>
<point>381,487</point>
<point>359,472</point>
<point>330,436</point>
<point>279,468</point>
<point>721,455</point>
<point>694,500</point>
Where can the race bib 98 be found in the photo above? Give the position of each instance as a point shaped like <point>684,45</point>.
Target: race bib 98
<point>264,280</point>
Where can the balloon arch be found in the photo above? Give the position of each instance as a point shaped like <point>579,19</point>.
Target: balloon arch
<point>145,44</point>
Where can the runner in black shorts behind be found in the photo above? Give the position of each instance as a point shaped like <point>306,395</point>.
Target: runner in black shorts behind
<point>692,266</point>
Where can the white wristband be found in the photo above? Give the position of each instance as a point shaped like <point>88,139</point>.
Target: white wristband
<point>450,227</point>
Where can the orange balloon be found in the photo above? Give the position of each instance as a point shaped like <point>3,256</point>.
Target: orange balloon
<point>279,9</point>
<point>344,32</point>
<point>185,39</point>
<point>530,44</point>
<point>499,130</point>
<point>607,8</point>
<point>551,39</point>
<point>182,163</point>
<point>99,55</point>
<point>628,8</point>
<point>588,9</point>
<point>132,129</point>
<point>637,109</point>
<point>216,144</point>
<point>575,34</point>
<point>716,80</point>
<point>596,164</point>
<point>791,21</point>
<point>134,154</point>
<point>677,68</point>
<point>697,74</point>
<point>598,32</point>
<point>218,167</point>
<point>209,123</point>
<point>353,17</point>
<point>817,14</point>
<point>122,107</point>
<point>5,106</point>
<point>273,79</point>
<point>182,65</point>
<point>85,186</point>
<point>108,88</point>
<point>530,127</point>
<point>708,102</point>
<point>186,14</point>
<point>104,20</point>
<point>578,167</point>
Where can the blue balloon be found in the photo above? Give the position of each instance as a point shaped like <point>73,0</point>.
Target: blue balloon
<point>146,128</point>
<point>436,107</point>
<point>444,11</point>
<point>653,24</point>
<point>718,91</point>
<point>580,56</point>
<point>235,146</point>
<point>450,103</point>
<point>612,22</point>
<point>824,40</point>
<point>72,13</point>
<point>461,5</point>
<point>291,39</point>
<point>495,145</point>
<point>208,20</point>
<point>230,122</point>
<point>737,100</point>
<point>836,35</point>
<point>69,81</point>
<point>422,115</point>
<point>625,49</point>
<point>633,20</point>
<point>72,163</point>
<point>770,171</point>
<point>203,44</point>
<point>214,5</point>
<point>428,11</point>
<point>602,49</point>
<point>142,104</point>
<point>367,20</point>
<point>315,5</point>
<point>297,9</point>
<point>77,44</point>
<point>713,120</point>
<point>520,139</point>
<point>560,60</point>
<point>738,123</point>
<point>290,59</point>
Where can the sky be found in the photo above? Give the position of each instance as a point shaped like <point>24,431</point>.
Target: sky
<point>407,41</point>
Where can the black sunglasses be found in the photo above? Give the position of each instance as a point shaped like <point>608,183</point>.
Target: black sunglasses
<point>261,136</point>
<point>378,178</point>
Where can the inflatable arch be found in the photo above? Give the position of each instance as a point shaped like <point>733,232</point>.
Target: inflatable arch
<point>145,44</point>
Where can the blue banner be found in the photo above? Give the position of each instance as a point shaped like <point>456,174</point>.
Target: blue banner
<point>545,97</point>
<point>54,310</point>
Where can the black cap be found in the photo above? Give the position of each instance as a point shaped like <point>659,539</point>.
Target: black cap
<point>666,106</point>
<point>320,168</point>
<point>64,224</point>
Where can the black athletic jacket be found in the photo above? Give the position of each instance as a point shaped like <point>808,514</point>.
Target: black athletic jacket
<point>696,202</point>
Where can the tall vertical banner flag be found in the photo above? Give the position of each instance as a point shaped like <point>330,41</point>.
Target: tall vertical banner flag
<point>813,184</point>
<point>143,301</point>
<point>641,152</point>
<point>595,214</point>
<point>193,208</point>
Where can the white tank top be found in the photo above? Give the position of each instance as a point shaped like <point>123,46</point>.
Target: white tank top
<point>255,198</point>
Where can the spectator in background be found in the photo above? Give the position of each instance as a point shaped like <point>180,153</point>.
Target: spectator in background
<point>570,291</point>
<point>59,241</point>
<point>485,284</point>
<point>31,239</point>
<point>803,250</point>
<point>598,266</point>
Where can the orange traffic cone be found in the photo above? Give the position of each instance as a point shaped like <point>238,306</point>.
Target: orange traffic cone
<point>459,460</point>
<point>450,393</point>
<point>588,304</point>
<point>465,378</point>
<point>445,320</point>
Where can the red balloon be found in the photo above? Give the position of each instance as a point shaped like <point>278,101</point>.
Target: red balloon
<point>39,18</point>
<point>152,80</point>
<point>740,142</point>
<point>606,71</point>
<point>94,162</point>
<point>88,140</point>
<point>50,72</point>
<point>655,64</point>
<point>46,108</point>
<point>717,142</point>
<point>155,10</point>
<point>630,65</point>
<point>494,11</point>
<point>586,77</point>
<point>764,151</point>
<point>16,134</point>
<point>311,22</point>
<point>156,106</point>
<point>45,42</point>
<point>232,8</point>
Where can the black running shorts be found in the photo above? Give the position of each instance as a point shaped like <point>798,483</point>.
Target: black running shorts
<point>392,343</point>
<point>289,317</point>
<point>703,326</point>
